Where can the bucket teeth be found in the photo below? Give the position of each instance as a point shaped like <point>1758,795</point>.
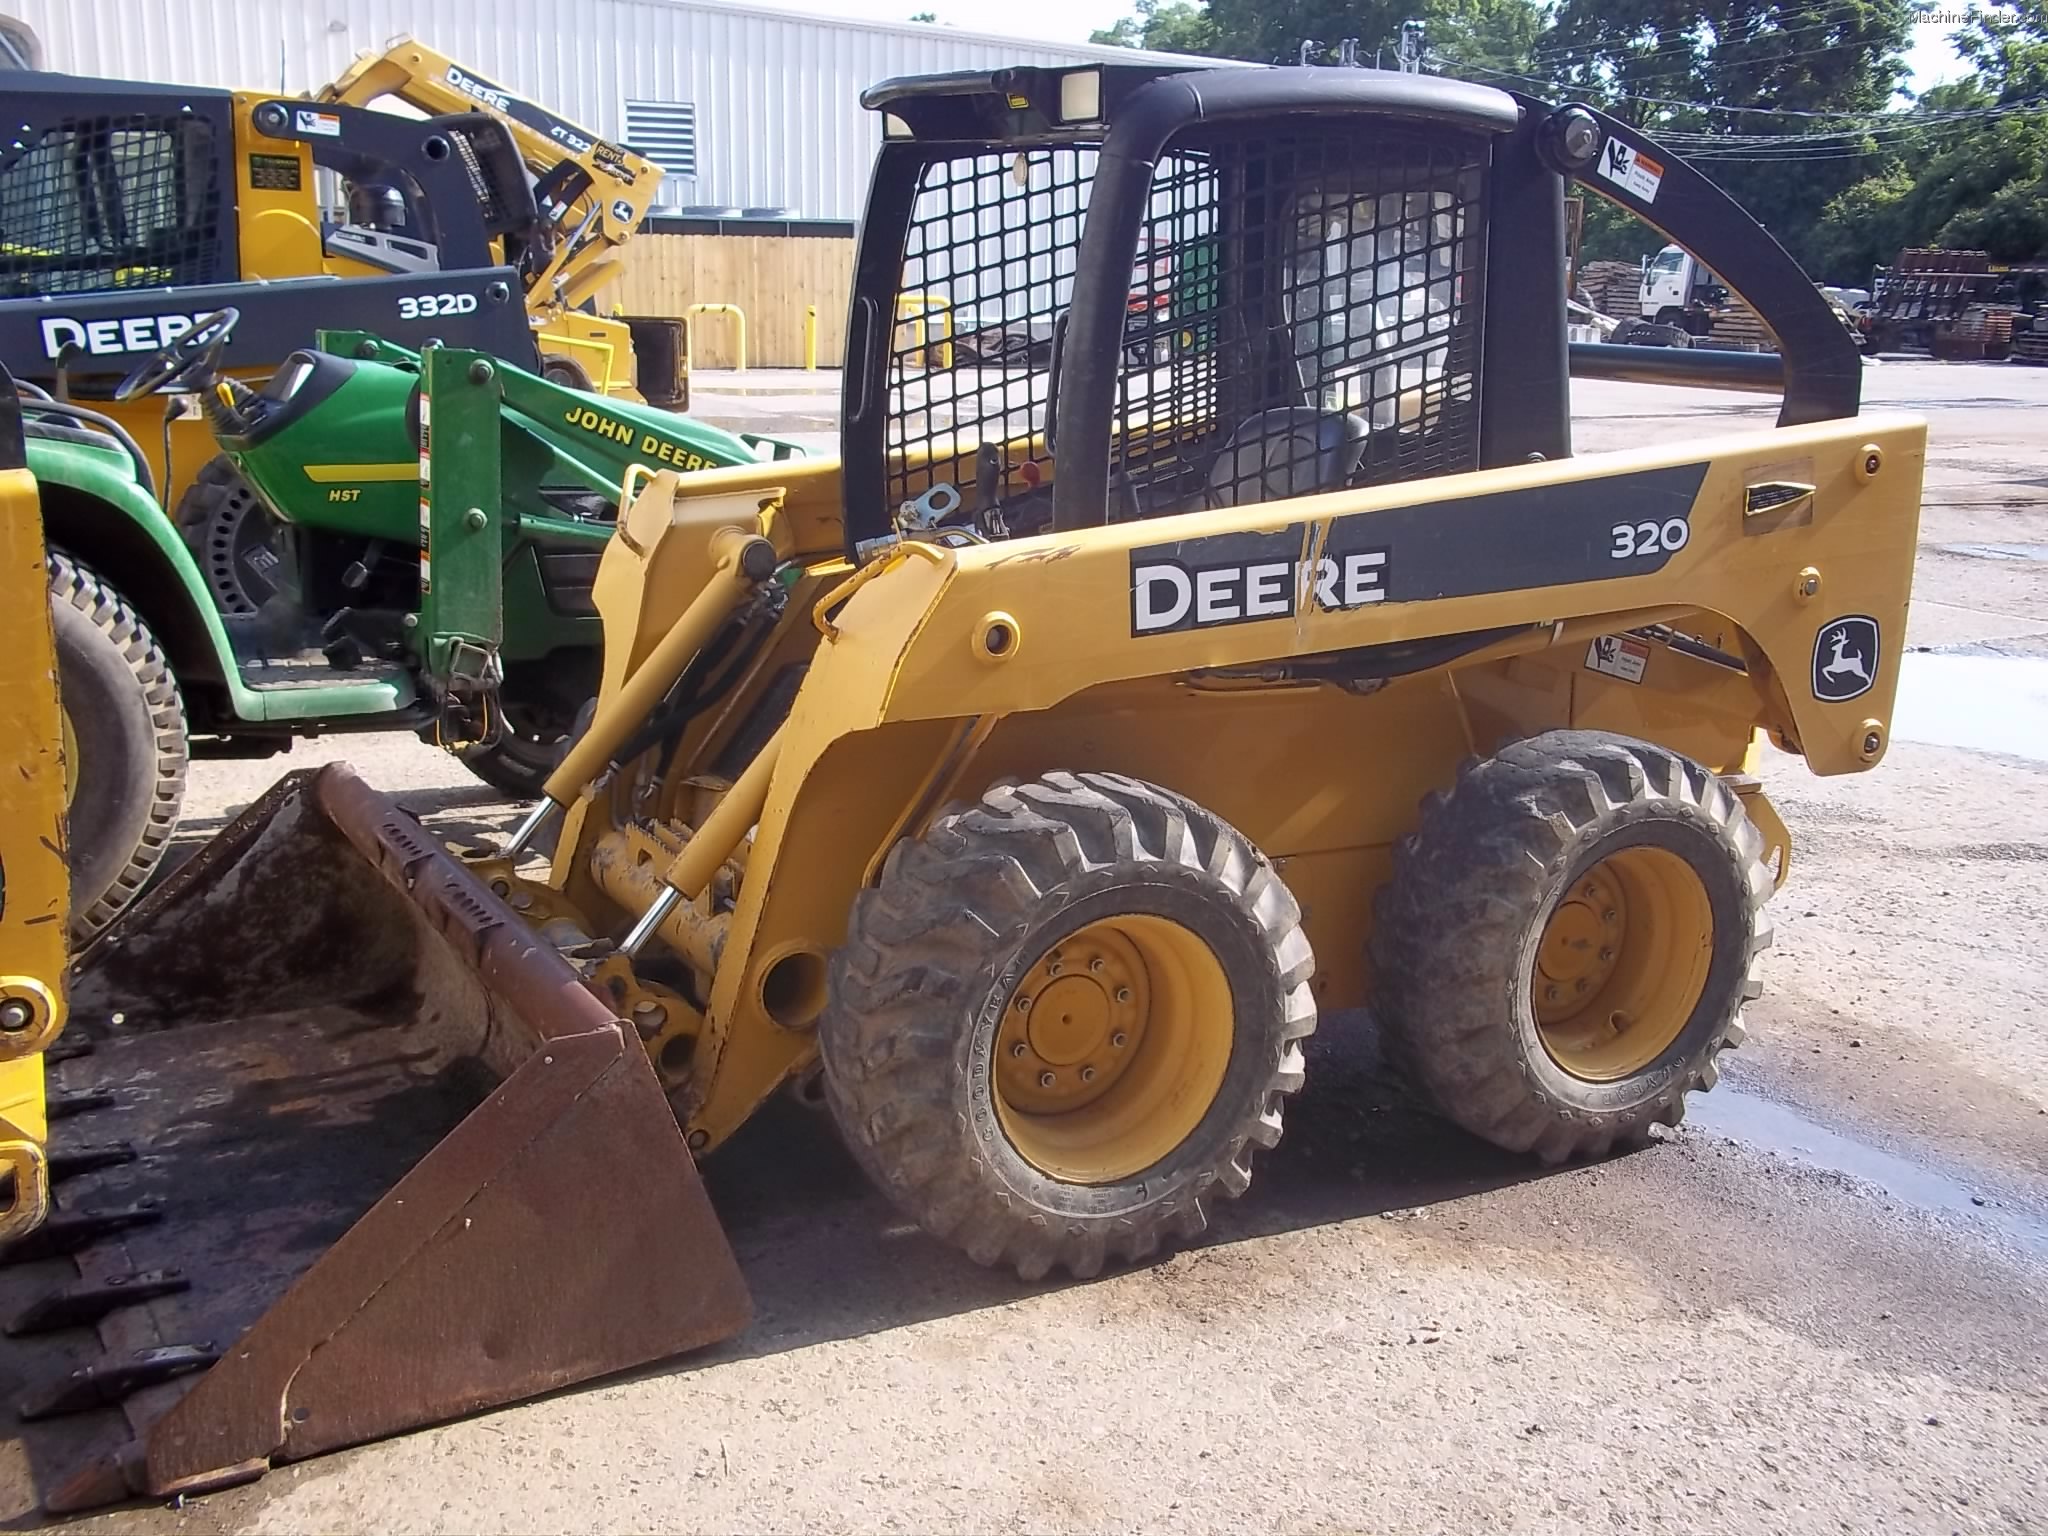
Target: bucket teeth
<point>102,1385</point>
<point>65,1232</point>
<point>62,1106</point>
<point>85,1302</point>
<point>70,1162</point>
<point>372,1141</point>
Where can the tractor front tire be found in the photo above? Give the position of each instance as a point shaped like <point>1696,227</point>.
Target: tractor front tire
<point>124,727</point>
<point>1568,940</point>
<point>1064,1018</point>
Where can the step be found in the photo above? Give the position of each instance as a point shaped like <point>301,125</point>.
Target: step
<point>312,669</point>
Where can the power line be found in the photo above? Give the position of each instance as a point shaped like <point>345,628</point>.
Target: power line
<point>1441,58</point>
<point>1892,125</point>
<point>1828,17</point>
<point>1663,101</point>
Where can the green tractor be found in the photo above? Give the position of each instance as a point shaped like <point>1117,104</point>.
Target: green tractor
<point>421,559</point>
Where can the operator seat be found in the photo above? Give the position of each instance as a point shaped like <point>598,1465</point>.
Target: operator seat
<point>1290,450</point>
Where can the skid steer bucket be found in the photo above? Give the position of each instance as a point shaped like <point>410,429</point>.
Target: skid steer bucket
<point>345,1150</point>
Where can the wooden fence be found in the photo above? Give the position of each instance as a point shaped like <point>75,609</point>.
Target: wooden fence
<point>772,277</point>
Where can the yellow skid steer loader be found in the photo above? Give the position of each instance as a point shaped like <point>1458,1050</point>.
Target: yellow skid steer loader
<point>1224,635</point>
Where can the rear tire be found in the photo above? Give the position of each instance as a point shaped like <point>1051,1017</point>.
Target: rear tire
<point>1172,982</point>
<point>1568,940</point>
<point>127,724</point>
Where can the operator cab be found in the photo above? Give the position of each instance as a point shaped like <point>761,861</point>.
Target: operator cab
<point>1268,286</point>
<point>1214,286</point>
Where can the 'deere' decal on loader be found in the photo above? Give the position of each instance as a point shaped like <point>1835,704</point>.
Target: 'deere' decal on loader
<point>1538,536</point>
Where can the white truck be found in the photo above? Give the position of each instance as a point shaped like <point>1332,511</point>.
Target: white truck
<point>1678,296</point>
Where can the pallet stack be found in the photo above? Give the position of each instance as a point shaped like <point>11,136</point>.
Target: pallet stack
<point>2030,345</point>
<point>1982,331</point>
<point>1739,328</point>
<point>1612,287</point>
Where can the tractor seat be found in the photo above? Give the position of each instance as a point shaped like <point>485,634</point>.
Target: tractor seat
<point>1292,450</point>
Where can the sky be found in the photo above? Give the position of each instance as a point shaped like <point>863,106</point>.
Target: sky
<point>1070,21</point>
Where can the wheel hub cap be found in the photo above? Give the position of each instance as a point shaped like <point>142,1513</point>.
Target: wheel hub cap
<point>1077,1019</point>
<point>1622,963</point>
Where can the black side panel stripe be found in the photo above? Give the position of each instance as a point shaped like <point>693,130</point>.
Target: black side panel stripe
<point>1509,541</point>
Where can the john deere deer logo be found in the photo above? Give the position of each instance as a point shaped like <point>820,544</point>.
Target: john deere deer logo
<point>1845,659</point>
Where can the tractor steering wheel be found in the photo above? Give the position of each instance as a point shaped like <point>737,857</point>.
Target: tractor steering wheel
<point>191,359</point>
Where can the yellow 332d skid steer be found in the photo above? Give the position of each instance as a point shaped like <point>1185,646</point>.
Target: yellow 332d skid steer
<point>1223,636</point>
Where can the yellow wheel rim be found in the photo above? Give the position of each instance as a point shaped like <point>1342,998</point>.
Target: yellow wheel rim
<point>1112,1048</point>
<point>70,739</point>
<point>1622,963</point>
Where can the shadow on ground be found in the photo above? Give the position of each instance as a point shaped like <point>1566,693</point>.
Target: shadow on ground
<point>828,1258</point>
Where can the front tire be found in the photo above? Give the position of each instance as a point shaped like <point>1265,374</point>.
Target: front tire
<point>1568,940</point>
<point>1064,1018</point>
<point>124,739</point>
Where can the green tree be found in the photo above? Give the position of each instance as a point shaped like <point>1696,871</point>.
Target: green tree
<point>1862,226</point>
<point>2008,49</point>
<point>1719,77</point>
<point>1966,168</point>
<point>1496,33</point>
<point>1171,26</point>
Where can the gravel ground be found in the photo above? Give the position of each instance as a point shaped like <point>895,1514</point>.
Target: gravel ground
<point>1817,1307</point>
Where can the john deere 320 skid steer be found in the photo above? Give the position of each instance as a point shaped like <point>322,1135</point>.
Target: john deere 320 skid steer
<point>1027,782</point>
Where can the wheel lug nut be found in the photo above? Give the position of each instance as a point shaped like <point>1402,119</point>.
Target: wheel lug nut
<point>1118,1040</point>
<point>1123,994</point>
<point>1609,915</point>
<point>1052,968</point>
<point>1579,985</point>
<point>1606,954</point>
<point>1087,1074</point>
<point>1046,1079</point>
<point>1553,993</point>
<point>1023,1004</point>
<point>1019,1048</point>
<point>1095,965</point>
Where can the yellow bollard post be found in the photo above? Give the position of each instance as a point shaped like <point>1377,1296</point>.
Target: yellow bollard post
<point>810,338</point>
<point>739,326</point>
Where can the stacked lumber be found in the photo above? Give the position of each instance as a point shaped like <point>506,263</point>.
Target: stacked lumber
<point>1612,287</point>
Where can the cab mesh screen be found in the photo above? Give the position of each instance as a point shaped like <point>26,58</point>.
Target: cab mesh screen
<point>110,202</point>
<point>1302,314</point>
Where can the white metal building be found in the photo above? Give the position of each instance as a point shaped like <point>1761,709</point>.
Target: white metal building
<point>763,104</point>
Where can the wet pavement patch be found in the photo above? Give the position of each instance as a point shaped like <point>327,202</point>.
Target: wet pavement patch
<point>1985,703</point>
<point>2036,552</point>
<point>1773,1128</point>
